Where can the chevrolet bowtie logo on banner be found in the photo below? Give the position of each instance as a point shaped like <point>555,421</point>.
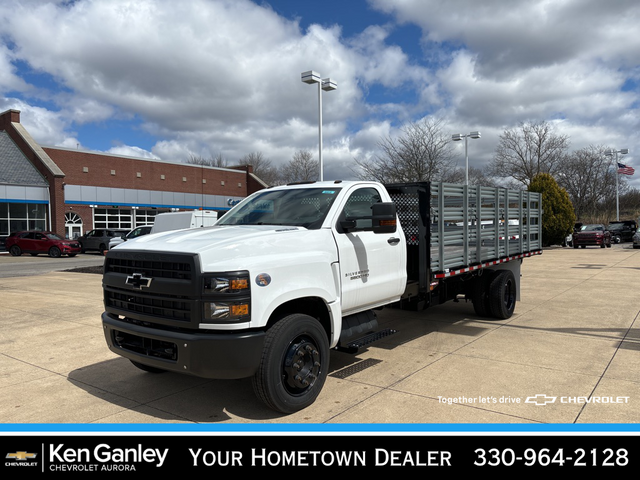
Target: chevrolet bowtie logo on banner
<point>21,456</point>
<point>138,281</point>
<point>540,399</point>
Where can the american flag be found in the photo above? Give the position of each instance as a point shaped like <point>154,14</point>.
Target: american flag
<point>624,170</point>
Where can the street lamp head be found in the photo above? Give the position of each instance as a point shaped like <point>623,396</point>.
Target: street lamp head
<point>311,77</point>
<point>456,137</point>
<point>474,134</point>
<point>608,153</point>
<point>624,151</point>
<point>328,85</point>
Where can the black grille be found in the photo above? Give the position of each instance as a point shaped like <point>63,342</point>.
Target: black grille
<point>165,307</point>
<point>146,346</point>
<point>152,268</point>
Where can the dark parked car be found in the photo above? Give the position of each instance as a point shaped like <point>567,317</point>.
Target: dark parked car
<point>41,242</point>
<point>99,238</point>
<point>623,230</point>
<point>592,234</point>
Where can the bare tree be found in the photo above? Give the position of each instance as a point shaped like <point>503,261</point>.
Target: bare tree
<point>301,168</point>
<point>217,161</point>
<point>262,167</point>
<point>528,150</point>
<point>588,176</point>
<point>421,152</point>
<point>477,176</point>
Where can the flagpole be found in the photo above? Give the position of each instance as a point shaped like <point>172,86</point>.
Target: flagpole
<point>617,192</point>
<point>614,153</point>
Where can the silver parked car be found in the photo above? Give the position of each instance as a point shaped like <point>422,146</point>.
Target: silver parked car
<point>136,232</point>
<point>636,240</point>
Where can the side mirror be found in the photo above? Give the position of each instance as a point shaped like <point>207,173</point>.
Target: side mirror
<point>384,217</point>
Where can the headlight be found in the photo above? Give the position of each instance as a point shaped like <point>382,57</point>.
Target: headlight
<point>215,311</point>
<point>227,283</point>
<point>226,297</point>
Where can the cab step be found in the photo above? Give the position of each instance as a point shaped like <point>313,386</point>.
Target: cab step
<point>355,345</point>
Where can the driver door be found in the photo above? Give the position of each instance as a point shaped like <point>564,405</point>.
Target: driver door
<point>372,265</point>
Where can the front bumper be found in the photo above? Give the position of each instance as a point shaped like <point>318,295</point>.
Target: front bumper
<point>207,355</point>
<point>589,240</point>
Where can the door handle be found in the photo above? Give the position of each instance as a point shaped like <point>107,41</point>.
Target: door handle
<point>393,241</point>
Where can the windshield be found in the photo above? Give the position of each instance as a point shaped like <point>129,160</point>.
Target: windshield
<point>615,226</point>
<point>592,228</point>
<point>304,207</point>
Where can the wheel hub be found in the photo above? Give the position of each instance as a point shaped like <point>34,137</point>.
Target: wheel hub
<point>301,365</point>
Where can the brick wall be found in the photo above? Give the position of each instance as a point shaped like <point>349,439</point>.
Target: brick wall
<point>90,168</point>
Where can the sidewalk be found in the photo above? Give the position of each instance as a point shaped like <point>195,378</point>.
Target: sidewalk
<point>573,343</point>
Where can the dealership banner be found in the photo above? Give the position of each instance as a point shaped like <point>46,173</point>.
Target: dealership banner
<point>51,455</point>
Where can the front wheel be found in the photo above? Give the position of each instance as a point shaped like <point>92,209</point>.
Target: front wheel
<point>294,364</point>
<point>54,252</point>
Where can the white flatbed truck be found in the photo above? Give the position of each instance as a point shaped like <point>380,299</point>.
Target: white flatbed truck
<point>292,272</point>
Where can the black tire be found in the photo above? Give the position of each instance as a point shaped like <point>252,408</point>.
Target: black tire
<point>575,245</point>
<point>82,250</point>
<point>602,245</point>
<point>283,383</point>
<point>583,246</point>
<point>502,295</point>
<point>15,250</point>
<point>147,368</point>
<point>480,294</point>
<point>55,252</point>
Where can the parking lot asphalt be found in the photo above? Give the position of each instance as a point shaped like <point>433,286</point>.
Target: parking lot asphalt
<point>570,354</point>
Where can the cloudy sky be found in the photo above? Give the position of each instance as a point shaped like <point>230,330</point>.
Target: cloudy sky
<point>167,79</point>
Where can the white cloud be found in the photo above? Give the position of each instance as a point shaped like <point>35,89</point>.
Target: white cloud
<point>223,76</point>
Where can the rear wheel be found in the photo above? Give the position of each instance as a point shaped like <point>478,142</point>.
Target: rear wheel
<point>294,364</point>
<point>502,294</point>
<point>15,250</point>
<point>480,294</point>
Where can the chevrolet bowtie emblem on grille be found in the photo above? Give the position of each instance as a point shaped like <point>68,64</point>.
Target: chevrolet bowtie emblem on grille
<point>138,282</point>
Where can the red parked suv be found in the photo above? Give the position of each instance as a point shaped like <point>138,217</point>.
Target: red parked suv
<point>594,234</point>
<point>41,242</point>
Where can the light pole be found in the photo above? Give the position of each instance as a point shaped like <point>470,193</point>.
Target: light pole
<point>457,137</point>
<point>327,85</point>
<point>610,153</point>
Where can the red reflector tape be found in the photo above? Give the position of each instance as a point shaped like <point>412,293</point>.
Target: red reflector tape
<point>485,264</point>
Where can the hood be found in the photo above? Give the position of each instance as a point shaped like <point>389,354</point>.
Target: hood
<point>239,246</point>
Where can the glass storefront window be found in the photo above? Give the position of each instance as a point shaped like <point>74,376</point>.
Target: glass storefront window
<point>15,217</point>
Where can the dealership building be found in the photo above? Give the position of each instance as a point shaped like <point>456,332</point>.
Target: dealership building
<point>72,191</point>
